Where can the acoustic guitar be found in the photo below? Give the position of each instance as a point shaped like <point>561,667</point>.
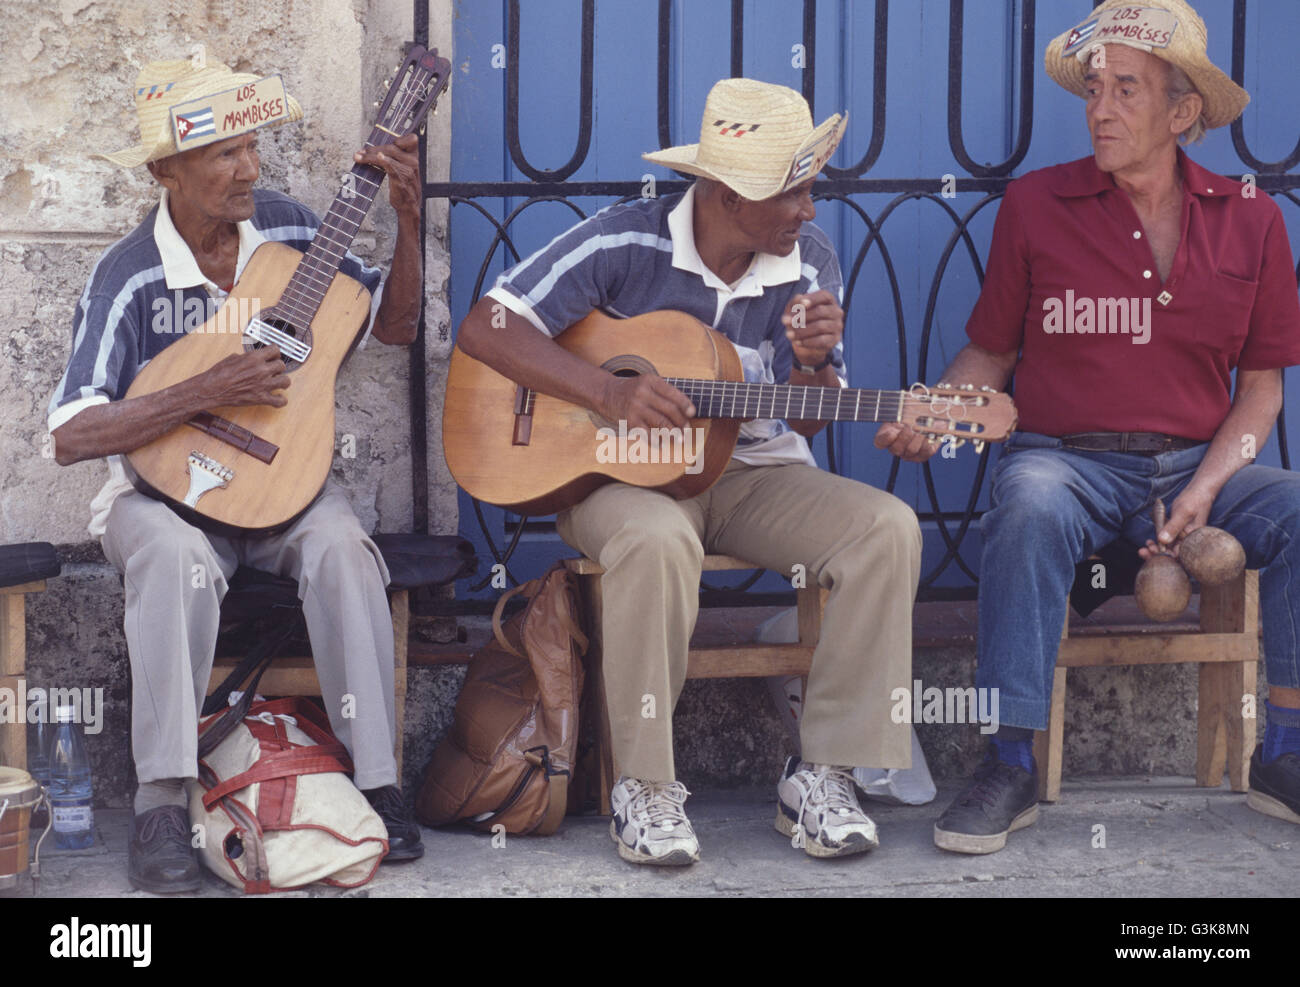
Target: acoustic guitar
<point>254,469</point>
<point>536,454</point>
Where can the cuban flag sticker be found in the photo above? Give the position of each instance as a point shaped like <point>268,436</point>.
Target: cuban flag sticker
<point>1079,37</point>
<point>194,125</point>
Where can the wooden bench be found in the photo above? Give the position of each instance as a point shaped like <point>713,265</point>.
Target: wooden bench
<point>1224,643</point>
<point>413,561</point>
<point>28,565</point>
<point>13,666</point>
<point>295,674</point>
<point>1225,646</point>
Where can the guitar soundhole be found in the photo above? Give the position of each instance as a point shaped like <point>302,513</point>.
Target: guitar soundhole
<point>624,365</point>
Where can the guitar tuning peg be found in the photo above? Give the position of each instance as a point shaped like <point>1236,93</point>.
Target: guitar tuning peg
<point>375,104</point>
<point>387,83</point>
<point>967,387</point>
<point>985,387</point>
<point>943,383</point>
<point>397,68</point>
<point>932,439</point>
<point>958,443</point>
<point>978,446</point>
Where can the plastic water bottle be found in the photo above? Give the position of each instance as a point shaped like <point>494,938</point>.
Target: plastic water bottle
<point>39,734</point>
<point>70,792</point>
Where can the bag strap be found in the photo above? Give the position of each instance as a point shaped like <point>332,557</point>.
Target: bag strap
<point>286,764</point>
<point>531,589</point>
<point>258,658</point>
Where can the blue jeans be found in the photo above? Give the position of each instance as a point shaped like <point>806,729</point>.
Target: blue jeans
<point>1053,507</point>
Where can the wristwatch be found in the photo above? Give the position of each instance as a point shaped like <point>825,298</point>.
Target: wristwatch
<point>803,368</point>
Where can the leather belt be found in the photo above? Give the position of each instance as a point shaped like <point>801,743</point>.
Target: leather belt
<point>1140,443</point>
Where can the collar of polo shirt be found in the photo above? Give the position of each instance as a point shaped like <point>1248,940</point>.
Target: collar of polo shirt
<point>1087,179</point>
<point>179,266</point>
<point>765,270</point>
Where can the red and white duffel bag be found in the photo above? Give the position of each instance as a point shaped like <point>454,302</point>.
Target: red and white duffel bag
<point>276,805</point>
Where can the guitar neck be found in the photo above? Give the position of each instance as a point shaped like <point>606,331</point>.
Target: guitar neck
<point>735,399</point>
<point>306,289</point>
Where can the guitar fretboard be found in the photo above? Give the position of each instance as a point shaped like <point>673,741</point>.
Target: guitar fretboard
<point>315,272</point>
<point>736,399</point>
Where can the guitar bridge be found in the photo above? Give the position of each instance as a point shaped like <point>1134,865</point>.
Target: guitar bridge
<point>267,334</point>
<point>205,474</point>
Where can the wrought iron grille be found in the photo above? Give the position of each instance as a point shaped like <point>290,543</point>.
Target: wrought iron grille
<point>844,186</point>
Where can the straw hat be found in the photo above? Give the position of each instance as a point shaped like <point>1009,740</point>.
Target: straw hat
<point>756,138</point>
<point>1168,29</point>
<point>183,106</point>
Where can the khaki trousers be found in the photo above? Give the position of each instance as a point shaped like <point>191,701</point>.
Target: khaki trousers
<point>175,576</point>
<point>860,543</point>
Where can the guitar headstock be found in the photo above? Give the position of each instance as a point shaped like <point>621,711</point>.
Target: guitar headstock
<point>966,413</point>
<point>415,87</point>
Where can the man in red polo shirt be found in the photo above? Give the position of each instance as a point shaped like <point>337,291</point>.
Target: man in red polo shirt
<point>1122,291</point>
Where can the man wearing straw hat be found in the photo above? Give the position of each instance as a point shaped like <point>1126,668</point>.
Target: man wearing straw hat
<point>739,252</point>
<point>1118,415</point>
<point>185,257</point>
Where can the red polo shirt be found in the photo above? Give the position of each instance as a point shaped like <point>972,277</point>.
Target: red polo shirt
<point>1072,285</point>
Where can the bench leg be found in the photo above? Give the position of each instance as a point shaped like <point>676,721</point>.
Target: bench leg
<point>13,665</point>
<point>1049,744</point>
<point>595,711</point>
<point>1223,739</point>
<point>1241,731</point>
<point>401,608</point>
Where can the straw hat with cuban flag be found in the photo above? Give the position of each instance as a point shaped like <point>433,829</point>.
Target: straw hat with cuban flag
<point>183,105</point>
<point>1168,29</point>
<point>757,138</point>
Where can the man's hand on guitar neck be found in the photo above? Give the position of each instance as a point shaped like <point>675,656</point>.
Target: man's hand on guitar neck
<point>973,365</point>
<point>255,377</point>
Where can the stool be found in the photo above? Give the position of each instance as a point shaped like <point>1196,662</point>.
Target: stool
<point>739,660</point>
<point>1226,648</point>
<point>413,561</point>
<point>23,569</point>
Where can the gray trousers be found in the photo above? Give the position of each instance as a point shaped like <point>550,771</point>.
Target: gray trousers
<point>175,577</point>
<point>860,543</point>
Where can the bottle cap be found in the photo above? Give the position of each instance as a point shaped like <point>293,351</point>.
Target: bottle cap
<point>65,714</point>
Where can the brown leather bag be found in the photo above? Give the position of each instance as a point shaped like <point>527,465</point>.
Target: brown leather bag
<point>509,755</point>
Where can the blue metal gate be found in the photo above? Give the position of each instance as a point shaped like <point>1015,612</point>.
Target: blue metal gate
<point>554,102</point>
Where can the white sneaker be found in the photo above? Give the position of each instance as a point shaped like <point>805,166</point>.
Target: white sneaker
<point>650,824</point>
<point>818,809</point>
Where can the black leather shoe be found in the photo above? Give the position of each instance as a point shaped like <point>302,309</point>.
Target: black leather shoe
<point>1001,799</point>
<point>160,858</point>
<point>1275,787</point>
<point>403,832</point>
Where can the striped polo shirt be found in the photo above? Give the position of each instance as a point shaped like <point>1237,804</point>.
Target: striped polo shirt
<point>639,257</point>
<point>145,292</point>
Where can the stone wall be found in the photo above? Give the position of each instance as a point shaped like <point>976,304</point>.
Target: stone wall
<point>65,93</point>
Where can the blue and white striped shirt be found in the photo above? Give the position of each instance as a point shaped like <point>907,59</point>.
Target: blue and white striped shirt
<point>639,257</point>
<point>144,293</point>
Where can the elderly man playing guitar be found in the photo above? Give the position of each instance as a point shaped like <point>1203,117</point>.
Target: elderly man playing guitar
<point>187,255</point>
<point>738,252</point>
